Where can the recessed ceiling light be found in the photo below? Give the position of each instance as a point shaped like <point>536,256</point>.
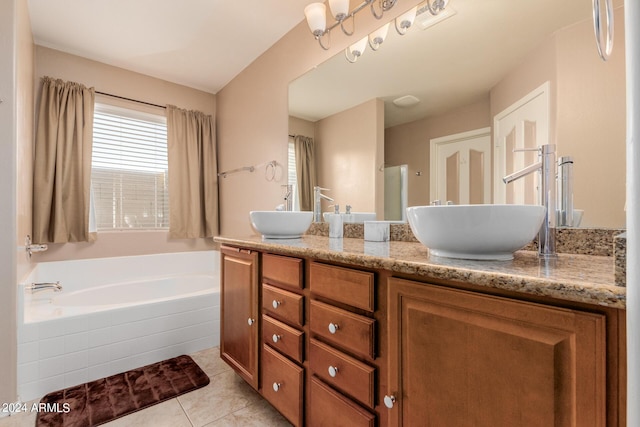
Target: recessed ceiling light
<point>406,101</point>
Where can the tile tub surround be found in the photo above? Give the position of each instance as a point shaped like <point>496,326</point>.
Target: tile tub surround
<point>60,352</point>
<point>573,277</point>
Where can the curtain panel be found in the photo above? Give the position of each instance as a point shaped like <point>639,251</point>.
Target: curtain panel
<point>193,174</point>
<point>305,170</point>
<point>62,162</point>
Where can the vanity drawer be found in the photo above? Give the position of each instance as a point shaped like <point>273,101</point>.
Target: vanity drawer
<point>283,304</point>
<point>352,287</point>
<point>283,270</point>
<point>280,336</point>
<point>330,408</point>
<point>348,330</point>
<point>347,374</point>
<point>283,384</point>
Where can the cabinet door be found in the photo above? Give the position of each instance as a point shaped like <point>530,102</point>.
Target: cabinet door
<point>466,359</point>
<point>239,309</point>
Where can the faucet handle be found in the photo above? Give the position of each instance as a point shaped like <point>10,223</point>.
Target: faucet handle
<point>516,150</point>
<point>543,149</point>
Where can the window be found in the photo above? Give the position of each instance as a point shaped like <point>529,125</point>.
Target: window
<point>292,177</point>
<point>129,177</point>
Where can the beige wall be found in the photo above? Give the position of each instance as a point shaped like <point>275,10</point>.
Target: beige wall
<point>587,114</point>
<point>348,158</point>
<point>16,71</point>
<point>25,131</point>
<point>409,143</point>
<point>117,81</point>
<point>302,127</point>
<point>253,117</point>
<point>591,123</point>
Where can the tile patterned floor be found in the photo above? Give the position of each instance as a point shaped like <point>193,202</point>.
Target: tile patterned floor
<point>226,402</point>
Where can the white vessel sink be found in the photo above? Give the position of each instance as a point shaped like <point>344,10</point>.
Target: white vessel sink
<point>281,224</point>
<point>482,232</point>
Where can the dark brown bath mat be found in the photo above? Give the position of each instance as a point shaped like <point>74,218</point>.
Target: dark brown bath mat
<point>106,399</point>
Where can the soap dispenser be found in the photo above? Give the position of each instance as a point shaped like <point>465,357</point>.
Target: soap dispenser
<point>335,223</point>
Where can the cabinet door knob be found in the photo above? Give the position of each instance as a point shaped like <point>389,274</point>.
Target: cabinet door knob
<point>276,337</point>
<point>333,371</point>
<point>250,321</point>
<point>275,304</point>
<point>389,401</point>
<point>333,327</point>
<point>276,387</point>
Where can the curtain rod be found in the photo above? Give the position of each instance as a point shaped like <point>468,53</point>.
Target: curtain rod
<point>131,99</point>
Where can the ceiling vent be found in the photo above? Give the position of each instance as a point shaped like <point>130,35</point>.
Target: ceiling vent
<point>425,20</point>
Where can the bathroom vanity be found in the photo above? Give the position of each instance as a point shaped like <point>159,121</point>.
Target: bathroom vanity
<point>348,332</point>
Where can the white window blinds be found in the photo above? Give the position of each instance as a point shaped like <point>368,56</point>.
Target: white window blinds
<point>292,176</point>
<point>129,176</point>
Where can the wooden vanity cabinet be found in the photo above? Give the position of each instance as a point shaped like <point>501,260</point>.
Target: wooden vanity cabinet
<point>341,346</point>
<point>467,359</point>
<point>239,311</point>
<point>283,335</point>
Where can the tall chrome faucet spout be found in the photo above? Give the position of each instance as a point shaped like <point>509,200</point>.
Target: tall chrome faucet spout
<point>317,208</point>
<point>546,165</point>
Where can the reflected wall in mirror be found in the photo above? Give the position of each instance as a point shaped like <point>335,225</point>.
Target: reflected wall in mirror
<point>465,70</point>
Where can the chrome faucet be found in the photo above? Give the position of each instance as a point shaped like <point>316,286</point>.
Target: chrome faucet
<point>546,165</point>
<point>288,197</point>
<point>37,287</point>
<point>565,191</point>
<point>317,196</point>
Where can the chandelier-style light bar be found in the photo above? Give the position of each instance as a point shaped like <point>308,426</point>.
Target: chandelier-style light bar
<point>316,14</point>
<point>402,24</point>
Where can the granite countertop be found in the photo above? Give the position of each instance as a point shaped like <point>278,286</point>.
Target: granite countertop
<point>581,278</point>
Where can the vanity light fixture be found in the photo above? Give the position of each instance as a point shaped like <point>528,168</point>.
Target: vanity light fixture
<point>405,21</point>
<point>377,37</point>
<point>316,14</point>
<point>353,52</point>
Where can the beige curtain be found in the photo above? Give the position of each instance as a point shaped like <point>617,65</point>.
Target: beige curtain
<point>305,170</point>
<point>62,166</point>
<point>193,174</point>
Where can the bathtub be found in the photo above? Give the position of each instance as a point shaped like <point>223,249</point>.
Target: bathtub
<point>114,314</point>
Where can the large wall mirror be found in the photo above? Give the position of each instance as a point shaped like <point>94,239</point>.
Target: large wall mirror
<point>464,70</point>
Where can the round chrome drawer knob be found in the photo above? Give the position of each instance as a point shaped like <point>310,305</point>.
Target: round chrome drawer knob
<point>250,321</point>
<point>389,401</point>
<point>276,387</point>
<point>276,337</point>
<point>333,371</point>
<point>275,304</point>
<point>333,328</point>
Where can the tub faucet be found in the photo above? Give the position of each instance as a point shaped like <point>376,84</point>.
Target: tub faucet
<point>546,165</point>
<point>37,287</point>
<point>317,208</point>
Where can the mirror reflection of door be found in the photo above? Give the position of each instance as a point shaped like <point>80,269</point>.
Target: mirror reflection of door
<point>460,167</point>
<point>522,125</point>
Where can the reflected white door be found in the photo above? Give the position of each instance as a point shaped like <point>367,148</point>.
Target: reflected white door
<point>460,167</point>
<point>523,125</point>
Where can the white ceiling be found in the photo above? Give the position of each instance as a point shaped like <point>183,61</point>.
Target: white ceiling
<point>197,43</point>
